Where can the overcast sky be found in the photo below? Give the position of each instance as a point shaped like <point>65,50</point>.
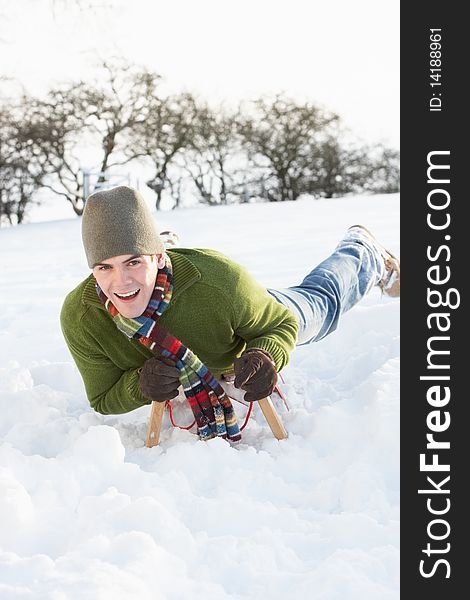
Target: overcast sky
<point>341,54</point>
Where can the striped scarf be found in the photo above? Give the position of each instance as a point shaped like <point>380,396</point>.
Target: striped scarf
<point>212,408</point>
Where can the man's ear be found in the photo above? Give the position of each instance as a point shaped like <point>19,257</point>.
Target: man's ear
<point>160,260</point>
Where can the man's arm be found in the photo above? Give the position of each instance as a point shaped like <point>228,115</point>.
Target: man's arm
<point>110,390</point>
<point>263,322</point>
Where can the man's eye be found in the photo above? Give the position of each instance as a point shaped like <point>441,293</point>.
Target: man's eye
<point>103,267</point>
<point>132,263</point>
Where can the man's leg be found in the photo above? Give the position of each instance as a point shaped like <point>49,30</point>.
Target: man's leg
<point>335,285</point>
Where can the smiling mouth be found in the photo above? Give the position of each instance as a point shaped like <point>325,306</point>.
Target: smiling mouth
<point>128,296</point>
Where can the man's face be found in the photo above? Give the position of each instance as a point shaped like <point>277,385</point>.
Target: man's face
<point>128,281</point>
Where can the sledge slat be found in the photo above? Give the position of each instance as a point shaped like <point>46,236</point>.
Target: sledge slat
<point>155,423</point>
<point>271,416</point>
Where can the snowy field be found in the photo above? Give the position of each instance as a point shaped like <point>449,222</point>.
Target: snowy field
<point>87,512</point>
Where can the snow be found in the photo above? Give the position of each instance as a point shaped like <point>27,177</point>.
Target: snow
<point>88,512</point>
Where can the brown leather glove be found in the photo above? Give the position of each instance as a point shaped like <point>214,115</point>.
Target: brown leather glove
<point>159,381</point>
<point>255,372</point>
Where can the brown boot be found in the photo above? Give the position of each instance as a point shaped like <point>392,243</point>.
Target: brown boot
<point>390,282</point>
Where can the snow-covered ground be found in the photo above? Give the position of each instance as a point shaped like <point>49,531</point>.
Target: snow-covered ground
<point>87,512</point>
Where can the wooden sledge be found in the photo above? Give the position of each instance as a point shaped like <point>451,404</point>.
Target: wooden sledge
<point>266,405</point>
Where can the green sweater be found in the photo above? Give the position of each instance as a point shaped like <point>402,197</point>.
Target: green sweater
<point>217,309</point>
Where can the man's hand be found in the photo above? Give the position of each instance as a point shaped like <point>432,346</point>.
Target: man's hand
<point>255,372</point>
<point>159,381</point>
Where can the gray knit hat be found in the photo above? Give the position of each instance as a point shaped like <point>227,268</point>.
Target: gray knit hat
<point>117,222</point>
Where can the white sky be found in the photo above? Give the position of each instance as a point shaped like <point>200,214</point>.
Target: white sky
<point>341,54</point>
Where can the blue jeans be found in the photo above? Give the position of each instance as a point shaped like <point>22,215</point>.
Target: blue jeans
<point>333,287</point>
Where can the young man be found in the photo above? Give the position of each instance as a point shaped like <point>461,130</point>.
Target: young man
<point>148,319</point>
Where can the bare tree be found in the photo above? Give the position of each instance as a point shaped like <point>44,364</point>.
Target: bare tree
<point>82,123</point>
<point>335,168</point>
<point>166,130</point>
<point>299,148</point>
<point>115,107</point>
<point>280,136</point>
<point>213,163</point>
<point>384,174</point>
<point>338,169</point>
<point>21,166</point>
<point>60,122</point>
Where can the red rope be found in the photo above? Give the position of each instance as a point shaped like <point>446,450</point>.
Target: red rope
<point>170,411</point>
<point>250,408</point>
